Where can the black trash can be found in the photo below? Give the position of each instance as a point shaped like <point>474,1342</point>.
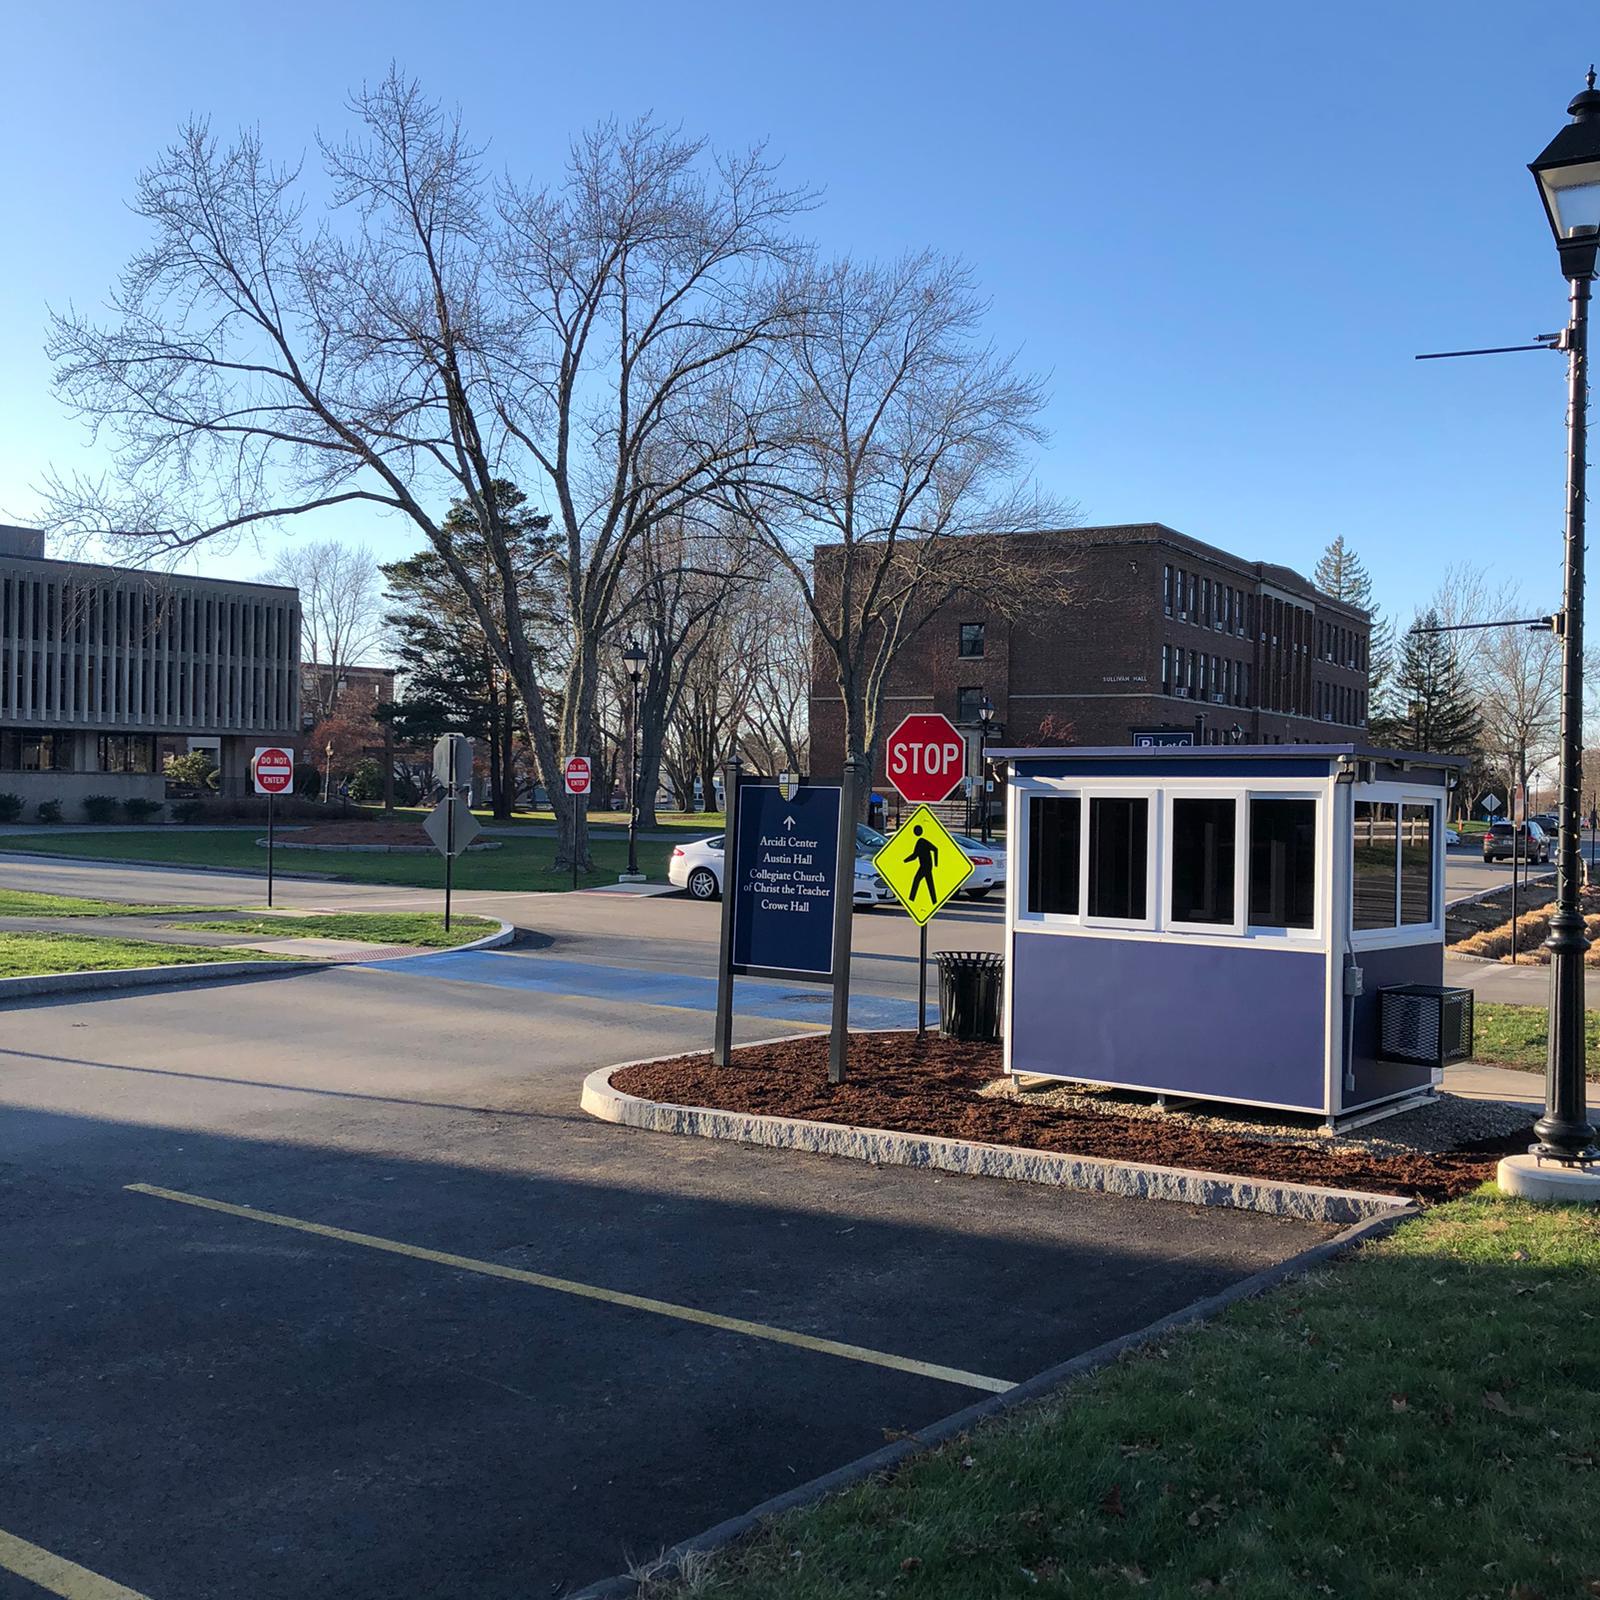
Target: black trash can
<point>969,994</point>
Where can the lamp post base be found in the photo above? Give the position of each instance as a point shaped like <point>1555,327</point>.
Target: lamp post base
<point>1528,1178</point>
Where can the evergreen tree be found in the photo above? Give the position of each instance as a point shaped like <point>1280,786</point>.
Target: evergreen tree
<point>1435,709</point>
<point>1342,575</point>
<point>452,681</point>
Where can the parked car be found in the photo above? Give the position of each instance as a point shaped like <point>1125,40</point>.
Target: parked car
<point>1526,840</point>
<point>1451,837</point>
<point>988,860</point>
<point>698,866</point>
<point>1547,820</point>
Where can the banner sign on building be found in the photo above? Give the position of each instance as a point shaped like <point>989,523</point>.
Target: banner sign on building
<point>784,871</point>
<point>1159,738</point>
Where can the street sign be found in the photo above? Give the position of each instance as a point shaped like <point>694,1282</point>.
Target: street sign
<point>784,871</point>
<point>452,761</point>
<point>923,864</point>
<point>1153,739</point>
<point>925,757</point>
<point>272,770</point>
<point>1490,803</point>
<point>575,769</point>
<point>450,840</point>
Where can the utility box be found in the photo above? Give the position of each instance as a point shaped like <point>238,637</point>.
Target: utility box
<point>1221,922</point>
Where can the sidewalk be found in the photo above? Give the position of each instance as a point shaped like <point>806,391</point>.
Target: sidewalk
<point>1522,985</point>
<point>1474,1082</point>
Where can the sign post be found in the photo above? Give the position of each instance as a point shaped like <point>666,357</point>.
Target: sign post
<point>924,757</point>
<point>844,901</point>
<point>272,773</point>
<point>577,777</point>
<point>452,826</point>
<point>924,866</point>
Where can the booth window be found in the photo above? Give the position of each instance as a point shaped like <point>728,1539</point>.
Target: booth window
<point>1416,864</point>
<point>1374,864</point>
<point>1202,861</point>
<point>1054,836</point>
<point>1118,831</point>
<point>1283,863</point>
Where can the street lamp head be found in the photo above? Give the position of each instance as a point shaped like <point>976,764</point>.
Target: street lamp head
<point>633,658</point>
<point>1568,174</point>
<point>986,711</point>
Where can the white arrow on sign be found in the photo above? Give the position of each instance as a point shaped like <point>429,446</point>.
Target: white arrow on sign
<point>788,822</point>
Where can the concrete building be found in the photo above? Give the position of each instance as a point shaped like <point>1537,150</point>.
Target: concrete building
<point>106,670</point>
<point>1160,633</point>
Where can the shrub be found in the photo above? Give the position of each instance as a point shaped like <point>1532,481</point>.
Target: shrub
<point>196,770</point>
<point>366,782</point>
<point>49,810</point>
<point>307,780</point>
<point>188,810</point>
<point>139,808</point>
<point>10,808</point>
<point>100,807</point>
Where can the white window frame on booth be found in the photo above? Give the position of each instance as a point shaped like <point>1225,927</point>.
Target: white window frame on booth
<point>1399,795</point>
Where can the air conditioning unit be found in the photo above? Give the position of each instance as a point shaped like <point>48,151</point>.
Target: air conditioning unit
<point>1425,1024</point>
<point>1181,691</point>
<point>1327,716</point>
<point>1219,699</point>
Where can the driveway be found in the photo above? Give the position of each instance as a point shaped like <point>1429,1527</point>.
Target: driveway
<point>322,1285</point>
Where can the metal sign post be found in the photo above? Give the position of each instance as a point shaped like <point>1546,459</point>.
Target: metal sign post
<point>722,1033</point>
<point>855,774</point>
<point>452,826</point>
<point>271,774</point>
<point>269,850</point>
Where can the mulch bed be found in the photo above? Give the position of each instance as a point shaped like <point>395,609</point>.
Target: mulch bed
<point>932,1086</point>
<point>411,833</point>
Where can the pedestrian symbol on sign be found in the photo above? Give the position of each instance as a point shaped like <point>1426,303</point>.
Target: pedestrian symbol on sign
<point>926,855</point>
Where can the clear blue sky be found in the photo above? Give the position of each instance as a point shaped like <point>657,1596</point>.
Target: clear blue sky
<point>1222,229</point>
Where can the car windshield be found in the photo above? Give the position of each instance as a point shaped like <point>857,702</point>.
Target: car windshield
<point>869,838</point>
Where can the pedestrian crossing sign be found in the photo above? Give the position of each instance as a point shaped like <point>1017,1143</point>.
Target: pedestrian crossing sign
<point>922,864</point>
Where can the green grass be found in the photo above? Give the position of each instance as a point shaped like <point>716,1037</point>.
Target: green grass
<point>687,821</point>
<point>1516,1036</point>
<point>1415,1423</point>
<point>521,864</point>
<point>425,929</point>
<point>24,903</point>
<point>32,955</point>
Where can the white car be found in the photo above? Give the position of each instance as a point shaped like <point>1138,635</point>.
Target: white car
<point>1451,837</point>
<point>988,860</point>
<point>698,866</point>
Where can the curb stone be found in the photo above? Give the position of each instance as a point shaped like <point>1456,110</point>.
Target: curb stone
<point>114,978</point>
<point>888,1460</point>
<point>1137,1180</point>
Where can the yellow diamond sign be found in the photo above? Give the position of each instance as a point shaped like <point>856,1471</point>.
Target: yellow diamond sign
<point>923,864</point>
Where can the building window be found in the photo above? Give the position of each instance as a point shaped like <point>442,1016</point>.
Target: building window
<point>1283,863</point>
<point>1416,864</point>
<point>127,752</point>
<point>971,640</point>
<point>1054,837</point>
<point>1166,590</point>
<point>1118,861</point>
<point>1166,668</point>
<point>1202,861</point>
<point>1373,864</point>
<point>1183,595</point>
<point>969,701</point>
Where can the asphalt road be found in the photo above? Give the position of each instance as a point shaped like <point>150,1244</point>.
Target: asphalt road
<point>205,1403</point>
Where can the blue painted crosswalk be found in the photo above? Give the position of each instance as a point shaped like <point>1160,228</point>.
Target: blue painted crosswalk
<point>752,997</point>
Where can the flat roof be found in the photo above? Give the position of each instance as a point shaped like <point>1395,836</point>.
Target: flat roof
<point>153,574</point>
<point>1227,752</point>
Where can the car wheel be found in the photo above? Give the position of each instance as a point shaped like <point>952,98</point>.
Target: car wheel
<point>702,884</point>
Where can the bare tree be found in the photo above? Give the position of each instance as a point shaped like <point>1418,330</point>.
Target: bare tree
<point>428,335</point>
<point>341,613</point>
<point>888,433</point>
<point>774,650</point>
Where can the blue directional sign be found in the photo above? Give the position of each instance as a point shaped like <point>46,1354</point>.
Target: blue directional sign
<point>1157,739</point>
<point>784,876</point>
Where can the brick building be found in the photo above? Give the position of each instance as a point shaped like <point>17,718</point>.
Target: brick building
<point>1162,632</point>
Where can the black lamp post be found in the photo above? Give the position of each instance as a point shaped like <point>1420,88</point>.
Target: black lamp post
<point>985,724</point>
<point>633,658</point>
<point>1568,175</point>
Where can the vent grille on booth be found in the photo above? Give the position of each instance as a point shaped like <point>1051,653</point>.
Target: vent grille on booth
<point>1423,1023</point>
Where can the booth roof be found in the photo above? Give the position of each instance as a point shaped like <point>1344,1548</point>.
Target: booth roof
<point>1225,752</point>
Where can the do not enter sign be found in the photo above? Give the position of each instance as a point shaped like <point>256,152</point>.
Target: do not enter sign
<point>273,771</point>
<point>576,771</point>
<point>925,757</point>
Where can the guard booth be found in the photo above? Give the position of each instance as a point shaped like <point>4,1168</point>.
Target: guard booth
<point>1255,924</point>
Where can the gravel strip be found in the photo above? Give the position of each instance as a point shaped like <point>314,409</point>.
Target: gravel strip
<point>1448,1122</point>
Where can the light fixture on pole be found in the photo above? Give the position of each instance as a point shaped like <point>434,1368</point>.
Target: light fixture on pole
<point>985,724</point>
<point>1568,175</point>
<point>633,658</point>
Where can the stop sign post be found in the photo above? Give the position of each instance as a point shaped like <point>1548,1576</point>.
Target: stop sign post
<point>272,773</point>
<point>925,757</point>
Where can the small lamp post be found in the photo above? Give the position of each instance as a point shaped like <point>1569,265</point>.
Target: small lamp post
<point>985,725</point>
<point>633,658</point>
<point>1568,175</point>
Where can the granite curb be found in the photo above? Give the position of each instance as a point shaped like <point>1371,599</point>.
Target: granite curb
<point>890,1458</point>
<point>117,978</point>
<point>887,1147</point>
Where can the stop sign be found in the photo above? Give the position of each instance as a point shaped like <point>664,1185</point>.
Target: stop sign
<point>273,771</point>
<point>925,757</point>
<point>576,772</point>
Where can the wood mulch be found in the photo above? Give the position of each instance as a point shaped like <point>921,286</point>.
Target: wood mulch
<point>933,1086</point>
<point>291,834</point>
